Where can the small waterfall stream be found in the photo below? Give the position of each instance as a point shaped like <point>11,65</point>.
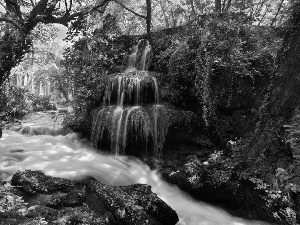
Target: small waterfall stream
<point>131,120</point>
<point>73,158</point>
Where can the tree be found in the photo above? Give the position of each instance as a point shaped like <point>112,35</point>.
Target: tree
<point>147,17</point>
<point>279,8</point>
<point>283,93</point>
<point>21,17</point>
<point>218,6</point>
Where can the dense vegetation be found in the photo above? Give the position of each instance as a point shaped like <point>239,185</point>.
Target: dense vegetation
<point>234,65</point>
<point>216,59</point>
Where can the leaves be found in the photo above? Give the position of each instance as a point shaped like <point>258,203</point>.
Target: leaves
<point>10,201</point>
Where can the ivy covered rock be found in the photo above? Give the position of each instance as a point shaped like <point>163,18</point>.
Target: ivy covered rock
<point>218,67</point>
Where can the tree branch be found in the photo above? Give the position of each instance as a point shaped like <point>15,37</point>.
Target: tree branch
<point>2,5</point>
<point>70,7</point>
<point>16,7</point>
<point>66,5</point>
<point>64,19</point>
<point>32,3</point>
<point>130,10</point>
<point>278,10</point>
<point>51,8</point>
<point>4,19</point>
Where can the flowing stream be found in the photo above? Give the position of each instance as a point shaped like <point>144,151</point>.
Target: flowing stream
<point>74,158</point>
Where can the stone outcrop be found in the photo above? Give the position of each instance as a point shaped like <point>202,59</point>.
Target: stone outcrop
<point>61,201</point>
<point>218,180</point>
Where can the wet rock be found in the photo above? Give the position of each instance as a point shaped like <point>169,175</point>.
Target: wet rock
<point>13,218</point>
<point>72,199</point>
<point>133,204</point>
<point>295,195</point>
<point>215,182</point>
<point>16,150</point>
<point>61,201</point>
<point>32,182</point>
<point>78,215</point>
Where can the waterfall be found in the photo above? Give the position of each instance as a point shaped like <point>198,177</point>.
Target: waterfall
<point>130,120</point>
<point>68,157</point>
<point>139,58</point>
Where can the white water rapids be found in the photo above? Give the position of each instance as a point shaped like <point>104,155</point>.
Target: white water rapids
<point>69,157</point>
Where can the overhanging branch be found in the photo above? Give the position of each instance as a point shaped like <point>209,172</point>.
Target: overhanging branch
<point>16,7</point>
<point>4,19</point>
<point>130,10</point>
<point>67,17</point>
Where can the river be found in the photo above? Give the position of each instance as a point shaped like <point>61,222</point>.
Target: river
<point>71,157</point>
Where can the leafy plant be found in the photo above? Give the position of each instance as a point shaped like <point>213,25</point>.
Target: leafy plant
<point>42,103</point>
<point>10,201</point>
<point>88,64</point>
<point>219,67</point>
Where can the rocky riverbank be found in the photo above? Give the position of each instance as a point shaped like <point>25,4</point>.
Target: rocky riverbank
<point>36,198</point>
<point>270,193</point>
<point>208,174</point>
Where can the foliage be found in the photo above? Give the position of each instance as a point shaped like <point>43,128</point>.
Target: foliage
<point>18,102</point>
<point>234,68</point>
<point>90,61</point>
<point>171,14</point>
<point>19,18</point>
<point>10,201</point>
<point>42,103</point>
<point>219,64</point>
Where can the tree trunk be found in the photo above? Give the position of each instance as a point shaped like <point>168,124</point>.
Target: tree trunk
<point>259,7</point>
<point>218,6</point>
<point>191,2</point>
<point>279,8</point>
<point>263,17</point>
<point>14,44</point>
<point>163,9</point>
<point>148,17</point>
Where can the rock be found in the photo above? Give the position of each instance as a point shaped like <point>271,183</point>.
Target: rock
<point>133,204</point>
<point>241,195</point>
<point>86,202</point>
<point>78,215</point>
<point>33,182</point>
<point>72,199</point>
<point>294,191</point>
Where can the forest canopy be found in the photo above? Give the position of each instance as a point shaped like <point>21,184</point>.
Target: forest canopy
<point>19,18</point>
<point>101,32</point>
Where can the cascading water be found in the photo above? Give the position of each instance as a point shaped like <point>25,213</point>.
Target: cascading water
<point>69,157</point>
<point>131,118</point>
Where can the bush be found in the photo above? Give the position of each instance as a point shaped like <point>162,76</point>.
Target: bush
<point>42,103</point>
<point>16,102</point>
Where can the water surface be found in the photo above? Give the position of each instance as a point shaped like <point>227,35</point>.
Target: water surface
<point>69,157</point>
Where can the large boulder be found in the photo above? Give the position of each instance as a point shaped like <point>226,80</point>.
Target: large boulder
<point>61,201</point>
<point>218,180</point>
<point>33,182</point>
<point>133,204</point>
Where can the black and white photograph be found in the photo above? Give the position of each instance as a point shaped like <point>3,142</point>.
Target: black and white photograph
<point>149,112</point>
